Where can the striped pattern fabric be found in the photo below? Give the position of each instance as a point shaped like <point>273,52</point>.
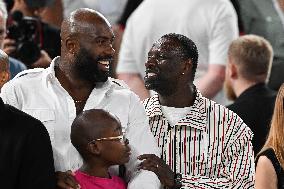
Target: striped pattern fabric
<point>211,146</point>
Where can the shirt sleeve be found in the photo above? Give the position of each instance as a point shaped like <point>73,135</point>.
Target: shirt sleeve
<point>141,142</point>
<point>224,30</point>
<point>239,168</point>
<point>9,95</point>
<point>126,61</point>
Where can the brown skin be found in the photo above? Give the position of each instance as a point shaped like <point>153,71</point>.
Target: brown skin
<point>86,29</point>
<point>173,76</point>
<point>106,153</point>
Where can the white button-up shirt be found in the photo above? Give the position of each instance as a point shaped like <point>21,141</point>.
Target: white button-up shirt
<point>210,146</point>
<point>39,93</point>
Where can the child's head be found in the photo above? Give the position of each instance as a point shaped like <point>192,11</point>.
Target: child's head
<point>97,135</point>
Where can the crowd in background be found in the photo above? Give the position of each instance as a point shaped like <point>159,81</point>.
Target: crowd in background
<point>210,72</point>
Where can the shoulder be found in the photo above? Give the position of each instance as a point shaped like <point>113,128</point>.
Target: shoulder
<point>265,175</point>
<point>119,84</point>
<point>30,73</point>
<point>17,118</point>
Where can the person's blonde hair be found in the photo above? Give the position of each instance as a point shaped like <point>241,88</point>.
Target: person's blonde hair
<point>275,139</point>
<point>253,55</point>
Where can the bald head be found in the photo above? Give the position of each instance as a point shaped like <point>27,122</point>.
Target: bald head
<point>90,125</point>
<point>82,21</point>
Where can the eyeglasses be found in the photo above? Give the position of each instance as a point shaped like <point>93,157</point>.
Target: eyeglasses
<point>121,138</point>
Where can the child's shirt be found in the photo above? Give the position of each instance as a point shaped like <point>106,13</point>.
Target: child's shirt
<point>92,182</point>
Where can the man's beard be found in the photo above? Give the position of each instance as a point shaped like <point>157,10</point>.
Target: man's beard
<point>229,91</point>
<point>161,85</point>
<point>87,67</point>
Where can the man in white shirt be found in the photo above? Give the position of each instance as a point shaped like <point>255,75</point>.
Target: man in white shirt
<point>77,81</point>
<point>203,144</point>
<point>212,25</point>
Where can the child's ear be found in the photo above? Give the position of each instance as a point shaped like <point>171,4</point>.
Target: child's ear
<point>94,148</point>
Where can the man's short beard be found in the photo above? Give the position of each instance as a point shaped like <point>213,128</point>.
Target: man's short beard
<point>160,86</point>
<point>87,67</point>
<point>231,95</point>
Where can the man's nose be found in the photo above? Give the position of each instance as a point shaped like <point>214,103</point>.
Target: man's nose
<point>150,62</point>
<point>110,50</point>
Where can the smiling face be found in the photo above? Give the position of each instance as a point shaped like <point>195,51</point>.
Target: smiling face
<point>96,53</point>
<point>164,66</point>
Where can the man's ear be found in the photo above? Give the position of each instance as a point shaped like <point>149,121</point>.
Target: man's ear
<point>72,45</point>
<point>232,68</point>
<point>187,66</point>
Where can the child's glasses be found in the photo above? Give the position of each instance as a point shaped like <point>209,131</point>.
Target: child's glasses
<point>121,138</point>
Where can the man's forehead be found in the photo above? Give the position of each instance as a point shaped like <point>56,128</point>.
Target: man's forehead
<point>166,45</point>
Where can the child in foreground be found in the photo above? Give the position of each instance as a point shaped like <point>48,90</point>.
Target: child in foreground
<point>98,137</point>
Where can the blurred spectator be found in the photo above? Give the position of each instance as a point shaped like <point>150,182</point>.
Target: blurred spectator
<point>15,65</point>
<point>47,36</point>
<point>25,151</point>
<point>53,14</point>
<point>266,18</point>
<point>111,9</point>
<point>270,161</point>
<point>130,6</point>
<point>248,68</point>
<point>4,68</point>
<point>212,25</point>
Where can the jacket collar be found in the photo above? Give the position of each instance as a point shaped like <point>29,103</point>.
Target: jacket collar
<point>196,116</point>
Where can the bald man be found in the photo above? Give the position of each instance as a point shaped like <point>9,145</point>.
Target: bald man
<point>4,68</point>
<point>77,81</point>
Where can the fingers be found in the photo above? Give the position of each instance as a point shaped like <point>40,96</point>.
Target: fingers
<point>146,156</point>
<point>9,46</point>
<point>66,180</point>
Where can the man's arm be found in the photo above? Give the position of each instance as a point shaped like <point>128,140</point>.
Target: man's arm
<point>223,31</point>
<point>136,84</point>
<point>141,142</point>
<point>212,82</point>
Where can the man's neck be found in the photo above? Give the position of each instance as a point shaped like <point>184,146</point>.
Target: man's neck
<point>242,85</point>
<point>183,97</point>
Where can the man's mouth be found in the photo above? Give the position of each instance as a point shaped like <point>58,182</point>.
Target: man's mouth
<point>104,64</point>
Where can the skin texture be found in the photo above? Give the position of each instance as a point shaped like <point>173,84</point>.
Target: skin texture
<point>265,175</point>
<point>171,77</point>
<point>4,68</point>
<point>99,155</point>
<point>84,30</point>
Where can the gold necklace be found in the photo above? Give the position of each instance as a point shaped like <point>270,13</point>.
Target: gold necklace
<point>79,101</point>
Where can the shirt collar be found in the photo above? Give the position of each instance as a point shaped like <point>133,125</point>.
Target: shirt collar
<point>196,116</point>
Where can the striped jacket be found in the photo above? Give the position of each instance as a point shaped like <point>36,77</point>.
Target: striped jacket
<point>211,146</point>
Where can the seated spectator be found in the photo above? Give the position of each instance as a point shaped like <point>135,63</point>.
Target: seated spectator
<point>4,68</point>
<point>270,161</point>
<point>25,151</point>
<point>203,144</point>
<point>266,18</point>
<point>15,65</point>
<point>46,36</point>
<point>248,69</point>
<point>98,137</point>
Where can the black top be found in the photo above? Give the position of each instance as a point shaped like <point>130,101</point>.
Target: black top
<point>255,106</point>
<point>25,151</point>
<point>269,153</point>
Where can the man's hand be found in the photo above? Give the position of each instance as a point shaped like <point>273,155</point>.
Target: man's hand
<point>66,180</point>
<point>43,61</point>
<point>9,46</point>
<point>159,167</point>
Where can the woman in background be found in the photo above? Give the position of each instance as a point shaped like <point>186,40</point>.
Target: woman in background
<point>270,161</point>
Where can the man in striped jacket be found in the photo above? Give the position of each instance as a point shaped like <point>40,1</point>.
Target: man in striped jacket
<point>203,144</point>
